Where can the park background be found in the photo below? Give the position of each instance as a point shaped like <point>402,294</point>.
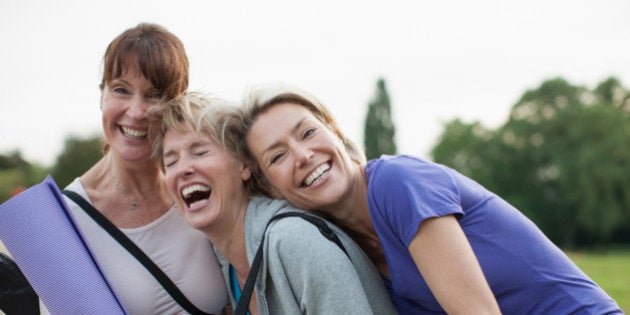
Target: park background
<point>527,97</point>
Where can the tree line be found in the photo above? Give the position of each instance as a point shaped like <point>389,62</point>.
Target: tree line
<point>562,158</point>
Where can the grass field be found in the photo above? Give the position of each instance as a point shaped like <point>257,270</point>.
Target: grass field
<point>610,269</point>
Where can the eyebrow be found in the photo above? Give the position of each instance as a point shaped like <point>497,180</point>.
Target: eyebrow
<point>194,145</point>
<point>125,82</point>
<point>121,80</point>
<point>277,143</point>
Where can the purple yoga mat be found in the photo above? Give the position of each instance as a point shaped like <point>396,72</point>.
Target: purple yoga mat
<point>41,234</point>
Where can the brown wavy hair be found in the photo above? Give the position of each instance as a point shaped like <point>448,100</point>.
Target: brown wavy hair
<point>206,115</point>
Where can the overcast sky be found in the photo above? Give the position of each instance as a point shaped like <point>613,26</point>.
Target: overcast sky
<point>440,59</point>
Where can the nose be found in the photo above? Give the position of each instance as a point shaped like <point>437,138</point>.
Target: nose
<point>184,167</point>
<point>302,154</point>
<point>138,108</point>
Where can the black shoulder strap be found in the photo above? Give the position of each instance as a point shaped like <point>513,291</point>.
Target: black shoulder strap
<point>136,252</point>
<point>248,288</point>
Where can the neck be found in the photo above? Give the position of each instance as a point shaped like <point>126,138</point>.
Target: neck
<point>130,176</point>
<point>228,236</point>
<point>352,212</point>
<point>140,183</point>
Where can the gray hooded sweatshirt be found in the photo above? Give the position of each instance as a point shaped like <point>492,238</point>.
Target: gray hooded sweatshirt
<point>303,272</point>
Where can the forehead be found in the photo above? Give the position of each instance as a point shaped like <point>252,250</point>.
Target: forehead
<point>124,63</point>
<point>277,123</point>
<point>184,135</point>
<point>279,119</point>
<point>286,111</point>
<point>131,72</point>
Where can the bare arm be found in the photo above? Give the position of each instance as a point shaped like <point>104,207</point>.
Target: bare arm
<point>446,261</point>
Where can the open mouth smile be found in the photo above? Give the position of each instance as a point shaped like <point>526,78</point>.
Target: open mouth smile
<point>194,194</point>
<point>133,133</point>
<point>316,174</point>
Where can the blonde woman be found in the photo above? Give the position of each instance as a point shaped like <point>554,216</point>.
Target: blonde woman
<point>442,242</point>
<point>302,271</point>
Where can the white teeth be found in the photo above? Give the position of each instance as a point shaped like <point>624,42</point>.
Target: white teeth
<point>191,189</point>
<point>134,133</point>
<point>316,174</point>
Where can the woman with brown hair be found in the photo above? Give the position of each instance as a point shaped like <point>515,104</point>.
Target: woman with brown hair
<point>141,67</point>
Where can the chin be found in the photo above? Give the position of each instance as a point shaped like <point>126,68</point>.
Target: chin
<point>198,225</point>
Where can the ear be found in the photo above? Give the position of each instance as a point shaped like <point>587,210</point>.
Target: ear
<point>246,172</point>
<point>100,100</point>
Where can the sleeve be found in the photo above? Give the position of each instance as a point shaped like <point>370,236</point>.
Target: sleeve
<point>404,191</point>
<point>320,275</point>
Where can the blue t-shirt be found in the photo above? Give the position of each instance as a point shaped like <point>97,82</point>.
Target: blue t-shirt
<point>527,273</point>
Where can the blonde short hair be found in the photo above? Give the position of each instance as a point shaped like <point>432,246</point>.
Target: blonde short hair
<point>208,116</point>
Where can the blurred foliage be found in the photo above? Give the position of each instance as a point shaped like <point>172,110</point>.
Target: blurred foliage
<point>379,129</point>
<point>77,156</point>
<point>562,158</point>
<point>17,174</point>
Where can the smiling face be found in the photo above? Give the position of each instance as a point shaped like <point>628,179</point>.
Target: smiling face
<point>302,159</point>
<point>124,103</point>
<point>203,178</point>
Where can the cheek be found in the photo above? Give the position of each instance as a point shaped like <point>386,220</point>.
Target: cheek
<point>278,178</point>
<point>109,111</point>
<point>170,185</point>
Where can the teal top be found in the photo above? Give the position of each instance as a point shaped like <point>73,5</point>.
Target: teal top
<point>235,288</point>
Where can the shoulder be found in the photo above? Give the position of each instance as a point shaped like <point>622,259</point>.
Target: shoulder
<point>401,170</point>
<point>77,187</point>
<point>292,223</point>
<point>292,233</point>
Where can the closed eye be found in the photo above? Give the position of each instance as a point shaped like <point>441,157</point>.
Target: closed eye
<point>200,152</point>
<point>169,160</point>
<point>169,163</point>
<point>276,157</point>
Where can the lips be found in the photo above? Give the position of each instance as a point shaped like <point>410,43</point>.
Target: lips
<point>316,174</point>
<point>196,193</point>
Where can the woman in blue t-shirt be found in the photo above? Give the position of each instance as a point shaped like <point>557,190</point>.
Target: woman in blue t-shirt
<point>441,242</point>
<point>314,273</point>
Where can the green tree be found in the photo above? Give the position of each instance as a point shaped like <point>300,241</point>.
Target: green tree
<point>17,174</point>
<point>77,156</point>
<point>379,129</point>
<point>576,143</point>
<point>562,158</point>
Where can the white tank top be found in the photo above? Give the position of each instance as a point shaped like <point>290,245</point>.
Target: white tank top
<point>182,252</point>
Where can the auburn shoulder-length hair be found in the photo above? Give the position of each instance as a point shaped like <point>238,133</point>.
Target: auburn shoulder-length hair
<point>158,54</point>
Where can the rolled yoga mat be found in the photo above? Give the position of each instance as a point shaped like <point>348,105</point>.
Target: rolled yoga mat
<point>39,231</point>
